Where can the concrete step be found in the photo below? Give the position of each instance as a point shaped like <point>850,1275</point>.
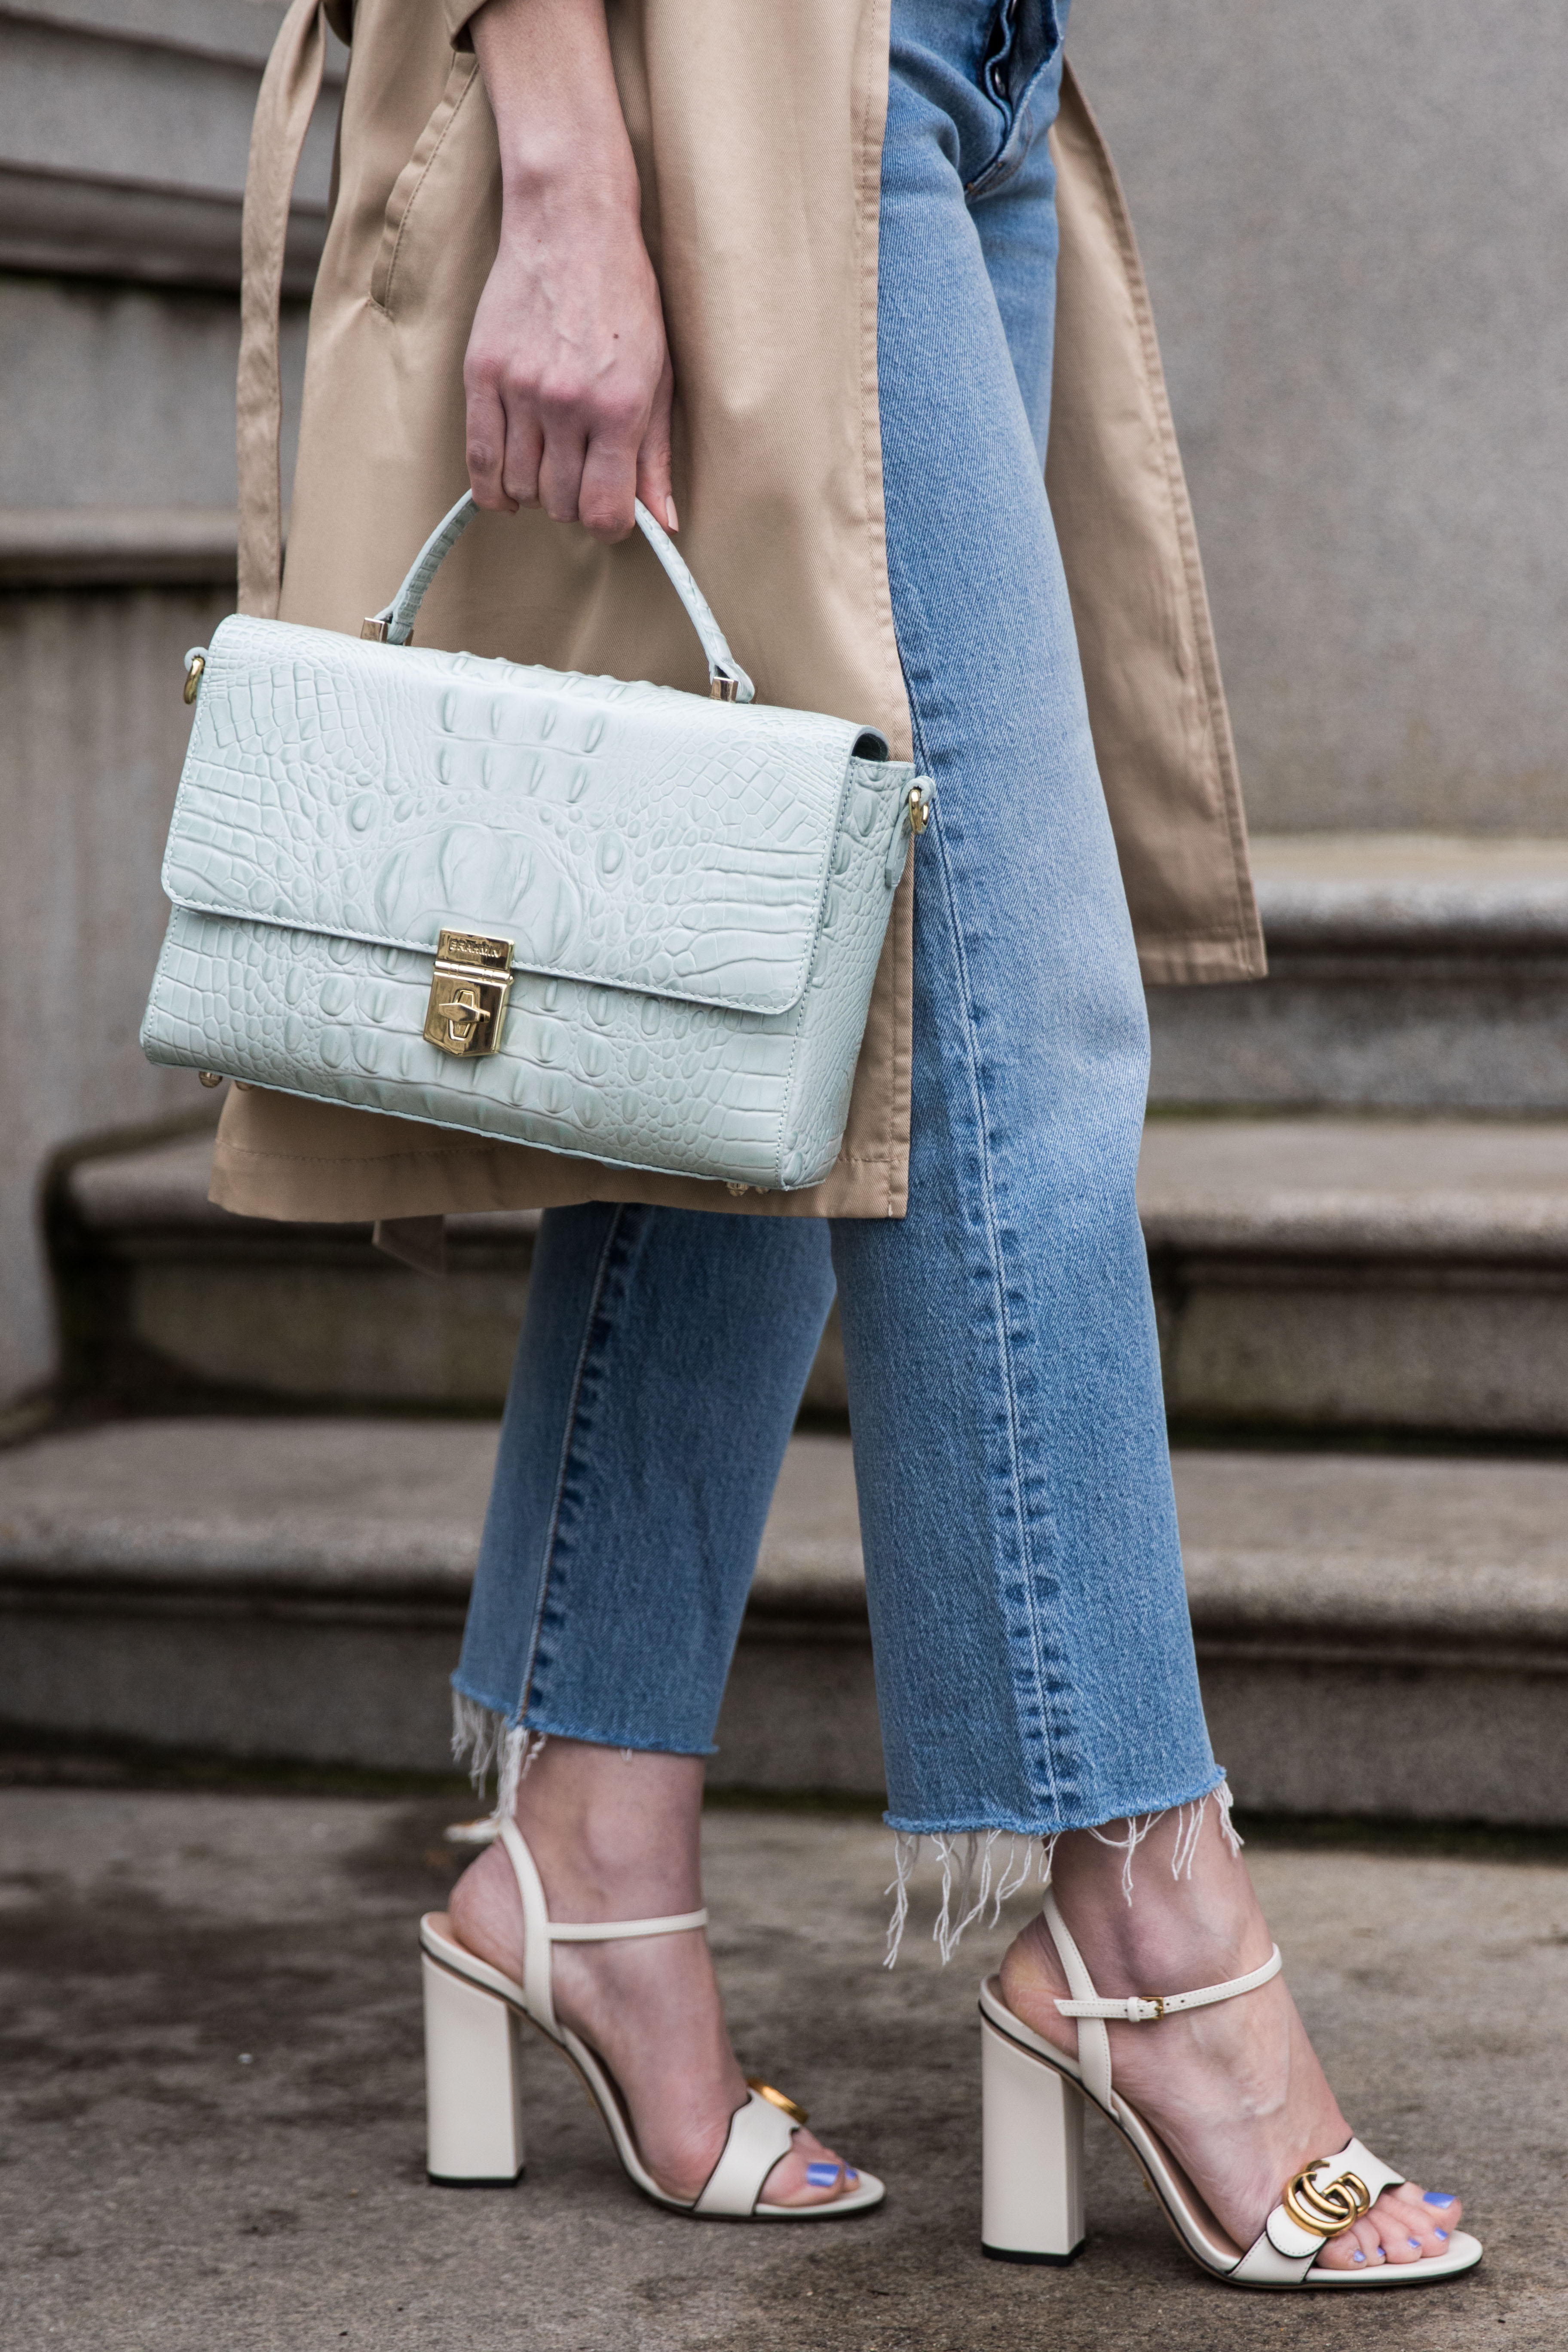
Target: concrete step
<point>1376,1636</point>
<point>1407,970</point>
<point>1388,1274</point>
<point>1400,1274</point>
<point>169,1303</point>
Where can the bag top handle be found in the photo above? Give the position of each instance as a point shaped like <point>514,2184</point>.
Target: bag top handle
<point>394,625</point>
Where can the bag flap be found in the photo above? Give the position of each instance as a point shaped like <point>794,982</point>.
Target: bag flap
<point>631,836</point>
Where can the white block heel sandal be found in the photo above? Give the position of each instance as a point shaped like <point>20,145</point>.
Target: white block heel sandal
<point>473,2097</point>
<point>1032,2204</point>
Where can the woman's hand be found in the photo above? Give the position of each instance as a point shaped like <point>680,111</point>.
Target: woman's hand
<point>567,373</point>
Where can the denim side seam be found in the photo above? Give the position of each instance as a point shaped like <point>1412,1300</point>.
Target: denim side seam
<point>578,1426</point>
<point>511,1717</point>
<point>1040,1707</point>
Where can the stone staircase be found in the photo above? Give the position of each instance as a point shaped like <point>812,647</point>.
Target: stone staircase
<point>293,1590</point>
<point>1311,1272</point>
<point>1355,1191</point>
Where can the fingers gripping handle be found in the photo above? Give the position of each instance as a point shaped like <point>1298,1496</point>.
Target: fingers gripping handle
<point>394,623</point>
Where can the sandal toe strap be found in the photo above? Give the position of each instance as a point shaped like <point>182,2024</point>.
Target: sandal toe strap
<point>760,2133</point>
<point>1321,2200</point>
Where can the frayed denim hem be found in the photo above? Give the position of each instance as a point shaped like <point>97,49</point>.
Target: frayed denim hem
<point>974,1876</point>
<point>486,1740</point>
<point>1032,1826</point>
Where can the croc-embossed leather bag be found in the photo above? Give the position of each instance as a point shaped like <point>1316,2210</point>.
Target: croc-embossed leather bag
<point>614,920</point>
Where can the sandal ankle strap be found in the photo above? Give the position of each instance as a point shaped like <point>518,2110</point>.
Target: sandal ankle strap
<point>1141,2009</point>
<point>1091,2011</point>
<point>605,1931</point>
<point>539,1931</point>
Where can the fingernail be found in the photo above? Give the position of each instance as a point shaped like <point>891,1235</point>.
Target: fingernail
<point>823,2176</point>
<point>1437,2197</point>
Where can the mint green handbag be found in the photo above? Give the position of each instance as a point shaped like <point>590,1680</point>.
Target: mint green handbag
<point>613,920</point>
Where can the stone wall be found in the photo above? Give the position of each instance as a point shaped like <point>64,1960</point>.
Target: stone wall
<point>125,126</point>
<point>1352,220</point>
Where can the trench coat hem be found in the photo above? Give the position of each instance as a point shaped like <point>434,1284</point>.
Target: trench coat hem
<point>436,1180</point>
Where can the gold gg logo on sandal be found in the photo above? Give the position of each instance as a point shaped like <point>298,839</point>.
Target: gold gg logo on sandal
<point>1324,2212</point>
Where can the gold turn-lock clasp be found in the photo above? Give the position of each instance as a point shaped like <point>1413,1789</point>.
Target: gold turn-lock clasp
<point>469,990</point>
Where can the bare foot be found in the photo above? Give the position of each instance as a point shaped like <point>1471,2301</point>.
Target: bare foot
<point>1235,2092</point>
<point>615,1837</point>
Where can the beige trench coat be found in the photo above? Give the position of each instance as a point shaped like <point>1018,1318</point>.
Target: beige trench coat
<point>757,131</point>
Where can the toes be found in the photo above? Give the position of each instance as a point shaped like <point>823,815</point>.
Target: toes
<point>1425,2219</point>
<point>809,2174</point>
<point>1408,2224</point>
<point>1357,2248</point>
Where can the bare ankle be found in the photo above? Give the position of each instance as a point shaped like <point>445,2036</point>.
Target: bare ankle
<point>618,1828</point>
<point>1174,1901</point>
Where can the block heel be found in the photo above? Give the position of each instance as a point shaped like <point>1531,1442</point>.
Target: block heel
<point>473,2096</point>
<point>1032,2175</point>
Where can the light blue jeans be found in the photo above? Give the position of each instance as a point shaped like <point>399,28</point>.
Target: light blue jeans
<point>1034,1660</point>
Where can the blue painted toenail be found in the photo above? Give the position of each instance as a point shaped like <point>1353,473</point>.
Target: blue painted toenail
<point>851,2177</point>
<point>1414,2242</point>
<point>1358,2256</point>
<point>822,2176</point>
<point>1437,2197</point>
<point>1440,2233</point>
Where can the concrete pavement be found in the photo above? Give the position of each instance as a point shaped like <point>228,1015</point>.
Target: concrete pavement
<point>212,2095</point>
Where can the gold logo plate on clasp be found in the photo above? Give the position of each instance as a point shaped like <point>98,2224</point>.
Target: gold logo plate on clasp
<point>469,990</point>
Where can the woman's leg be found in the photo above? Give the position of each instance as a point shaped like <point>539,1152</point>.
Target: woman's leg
<point>657,1377</point>
<point>1035,1665</point>
<point>1033,1659</point>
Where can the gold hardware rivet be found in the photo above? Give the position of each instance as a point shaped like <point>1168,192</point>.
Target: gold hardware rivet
<point>920,810</point>
<point>194,676</point>
<point>210,1077</point>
